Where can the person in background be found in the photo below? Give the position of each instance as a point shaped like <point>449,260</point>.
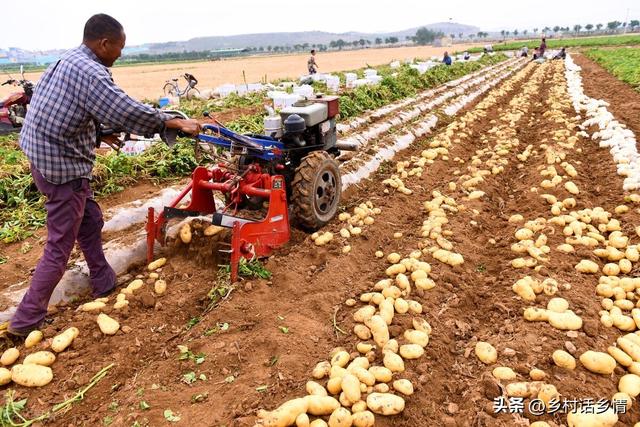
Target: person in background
<point>466,56</point>
<point>446,59</point>
<point>562,54</point>
<point>524,52</point>
<point>543,47</point>
<point>311,63</point>
<point>60,133</point>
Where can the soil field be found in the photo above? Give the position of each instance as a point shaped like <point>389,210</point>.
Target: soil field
<point>496,193</point>
<point>146,81</point>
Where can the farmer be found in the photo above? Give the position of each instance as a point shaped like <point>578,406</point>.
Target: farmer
<point>524,52</point>
<point>311,63</point>
<point>542,47</point>
<point>562,54</point>
<point>59,135</point>
<point>446,59</point>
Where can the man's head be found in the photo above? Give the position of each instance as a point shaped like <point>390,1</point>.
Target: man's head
<point>313,51</point>
<point>105,37</point>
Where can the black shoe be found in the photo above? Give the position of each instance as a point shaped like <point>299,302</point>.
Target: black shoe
<point>22,332</point>
<point>106,293</point>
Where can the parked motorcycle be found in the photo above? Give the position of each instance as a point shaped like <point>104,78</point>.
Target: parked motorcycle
<point>13,109</point>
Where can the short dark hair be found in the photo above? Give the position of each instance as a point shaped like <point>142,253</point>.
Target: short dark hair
<point>313,51</point>
<point>102,26</point>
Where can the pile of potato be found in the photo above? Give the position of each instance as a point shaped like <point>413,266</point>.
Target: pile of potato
<point>352,390</point>
<point>355,223</point>
<point>432,229</point>
<point>35,369</point>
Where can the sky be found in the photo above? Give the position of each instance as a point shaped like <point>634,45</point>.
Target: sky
<point>49,24</point>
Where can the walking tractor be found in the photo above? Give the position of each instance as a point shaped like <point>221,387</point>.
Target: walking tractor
<point>291,167</point>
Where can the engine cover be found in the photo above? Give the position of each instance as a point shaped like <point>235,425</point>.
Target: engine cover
<point>312,114</point>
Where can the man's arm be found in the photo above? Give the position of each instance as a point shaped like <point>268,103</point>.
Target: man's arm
<point>108,104</point>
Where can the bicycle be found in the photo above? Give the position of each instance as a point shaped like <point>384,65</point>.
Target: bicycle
<point>172,88</point>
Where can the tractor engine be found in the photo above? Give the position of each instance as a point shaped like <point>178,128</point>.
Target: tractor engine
<point>306,124</point>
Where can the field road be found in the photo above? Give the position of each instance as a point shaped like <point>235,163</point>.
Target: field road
<point>146,81</point>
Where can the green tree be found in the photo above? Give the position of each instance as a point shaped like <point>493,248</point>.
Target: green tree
<point>426,36</point>
<point>634,23</point>
<point>535,30</point>
<point>515,33</point>
<point>613,25</point>
<point>556,28</point>
<point>577,28</point>
<point>599,26</point>
<point>589,27</point>
<point>378,40</point>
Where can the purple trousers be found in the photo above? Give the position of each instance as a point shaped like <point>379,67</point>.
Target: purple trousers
<point>72,215</point>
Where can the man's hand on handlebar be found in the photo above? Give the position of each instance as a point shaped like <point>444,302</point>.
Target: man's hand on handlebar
<point>188,126</point>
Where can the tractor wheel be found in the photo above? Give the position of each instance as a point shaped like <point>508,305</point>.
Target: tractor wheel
<point>315,190</point>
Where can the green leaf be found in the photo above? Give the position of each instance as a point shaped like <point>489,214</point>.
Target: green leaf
<point>144,405</point>
<point>189,377</point>
<point>170,416</point>
<point>284,329</point>
<point>262,388</point>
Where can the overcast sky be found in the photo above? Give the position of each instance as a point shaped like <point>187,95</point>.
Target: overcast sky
<point>47,24</point>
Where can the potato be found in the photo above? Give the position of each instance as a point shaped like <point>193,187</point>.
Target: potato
<point>321,370</point>
<point>359,406</point>
<point>364,313</point>
<point>286,414</point>
<point>212,230</point>
<point>363,347</point>
<point>504,373</point>
<point>379,254</point>
<point>395,269</point>
<point>10,356</point>
<point>313,387</point>
<point>379,330</point>
<point>318,423</point>
<point>564,360</point>
<point>33,339</point>
<point>587,266</point>
<point>393,362</point>
<point>385,403</point>
<point>363,375</point>
<point>401,306</point>
<point>107,325</point>
<point>534,314</point>
<point>600,363</point>
<point>420,324</point>
<point>411,351</point>
<point>42,358</point>
<point>31,375</point>
<point>337,371</point>
<point>135,285</point>
<point>394,258</point>
<point>341,417</point>
<point>537,374</point>
<point>321,405</point>
<point>524,389</point>
<point>620,356</point>
<point>334,385</point>
<point>583,417</point>
<point>362,332</point>
<point>185,233</point>
<point>64,340</point>
<point>622,397</point>
<point>523,289</point>
<point>486,352</point>
<point>403,386</point>
<point>5,376</point>
<point>351,388</point>
<point>157,264</point>
<point>120,304</point>
<point>93,305</point>
<point>630,384</point>
<point>416,337</point>
<point>559,305</point>
<point>565,321</point>
<point>629,347</point>
<point>414,307</point>
<point>160,287</point>
<point>547,393</point>
<point>381,373</point>
<point>363,419</point>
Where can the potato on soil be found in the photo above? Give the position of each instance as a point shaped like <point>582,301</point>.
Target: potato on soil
<point>185,233</point>
<point>341,417</point>
<point>5,376</point>
<point>285,414</point>
<point>42,358</point>
<point>64,340</point>
<point>10,356</point>
<point>364,419</point>
<point>583,417</point>
<point>321,405</point>
<point>160,287</point>
<point>486,352</point>
<point>564,360</point>
<point>108,325</point>
<point>33,339</point>
<point>385,403</point>
<point>157,264</point>
<point>600,363</point>
<point>321,370</point>
<point>31,375</point>
<point>403,386</point>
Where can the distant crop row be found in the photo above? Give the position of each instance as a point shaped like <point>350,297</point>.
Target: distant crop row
<point>623,63</point>
<point>629,40</point>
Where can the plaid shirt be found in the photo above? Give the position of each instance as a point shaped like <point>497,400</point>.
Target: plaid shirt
<point>70,99</point>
